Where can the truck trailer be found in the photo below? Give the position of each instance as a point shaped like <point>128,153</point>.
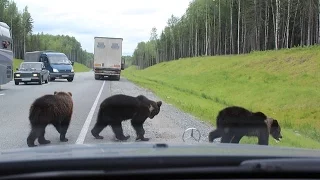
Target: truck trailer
<point>107,57</point>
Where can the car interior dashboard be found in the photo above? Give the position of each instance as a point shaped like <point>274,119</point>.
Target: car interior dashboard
<point>165,167</point>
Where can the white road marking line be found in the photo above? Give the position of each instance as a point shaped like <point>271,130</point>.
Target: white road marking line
<point>1,94</point>
<point>86,124</point>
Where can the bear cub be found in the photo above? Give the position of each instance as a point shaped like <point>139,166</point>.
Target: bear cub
<point>53,109</point>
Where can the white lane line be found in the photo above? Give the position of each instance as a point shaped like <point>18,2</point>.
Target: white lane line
<point>86,124</point>
<point>1,94</point>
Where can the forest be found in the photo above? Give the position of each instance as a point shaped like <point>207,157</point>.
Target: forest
<point>223,27</point>
<point>24,40</point>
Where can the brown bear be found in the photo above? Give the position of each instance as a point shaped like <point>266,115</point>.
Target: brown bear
<point>53,109</point>
<point>117,108</point>
<point>234,122</point>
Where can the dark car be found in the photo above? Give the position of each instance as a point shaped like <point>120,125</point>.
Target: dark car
<point>31,72</point>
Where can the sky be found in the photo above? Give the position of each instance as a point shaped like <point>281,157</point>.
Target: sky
<point>131,20</point>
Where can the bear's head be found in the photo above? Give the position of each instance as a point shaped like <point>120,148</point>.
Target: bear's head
<point>154,108</point>
<point>275,130</point>
<point>62,93</point>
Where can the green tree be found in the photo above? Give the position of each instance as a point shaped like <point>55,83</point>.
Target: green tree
<point>216,27</point>
<point>21,25</point>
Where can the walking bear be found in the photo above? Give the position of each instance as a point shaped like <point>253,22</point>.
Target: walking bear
<point>117,108</point>
<point>53,109</point>
<point>234,122</point>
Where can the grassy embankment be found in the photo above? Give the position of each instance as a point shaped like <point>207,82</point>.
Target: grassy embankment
<point>284,84</point>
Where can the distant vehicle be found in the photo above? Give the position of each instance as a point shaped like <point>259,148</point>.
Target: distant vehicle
<point>107,57</point>
<point>58,64</point>
<point>6,54</point>
<point>31,72</point>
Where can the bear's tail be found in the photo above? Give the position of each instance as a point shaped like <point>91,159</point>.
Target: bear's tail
<point>218,131</point>
<point>34,114</point>
<point>100,115</point>
<point>215,134</point>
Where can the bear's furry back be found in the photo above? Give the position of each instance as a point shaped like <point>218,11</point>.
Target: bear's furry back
<point>48,108</point>
<point>235,116</point>
<point>119,107</point>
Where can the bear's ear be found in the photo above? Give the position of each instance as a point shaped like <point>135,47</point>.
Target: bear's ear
<point>70,93</point>
<point>159,103</point>
<point>55,92</point>
<point>275,123</point>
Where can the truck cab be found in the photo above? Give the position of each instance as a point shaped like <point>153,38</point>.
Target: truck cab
<point>6,54</point>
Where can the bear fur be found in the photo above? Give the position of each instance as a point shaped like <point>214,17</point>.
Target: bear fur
<point>117,108</point>
<point>234,122</point>
<point>53,109</point>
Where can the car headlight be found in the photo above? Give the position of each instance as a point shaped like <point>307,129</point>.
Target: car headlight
<point>72,70</point>
<point>17,75</point>
<point>55,70</point>
<point>35,74</point>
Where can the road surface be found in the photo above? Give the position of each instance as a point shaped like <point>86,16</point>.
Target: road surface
<point>88,93</point>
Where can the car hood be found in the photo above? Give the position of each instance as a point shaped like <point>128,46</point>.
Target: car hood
<point>146,149</point>
<point>33,71</point>
<point>61,66</point>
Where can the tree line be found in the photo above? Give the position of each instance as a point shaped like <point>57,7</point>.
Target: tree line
<point>221,27</point>
<point>21,24</point>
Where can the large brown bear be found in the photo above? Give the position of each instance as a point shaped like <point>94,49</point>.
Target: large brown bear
<point>117,108</point>
<point>53,109</point>
<point>234,122</point>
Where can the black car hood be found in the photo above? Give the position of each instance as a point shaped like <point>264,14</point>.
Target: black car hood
<point>147,149</point>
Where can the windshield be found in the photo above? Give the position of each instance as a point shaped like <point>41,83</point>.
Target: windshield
<point>241,72</point>
<point>30,66</point>
<point>58,59</point>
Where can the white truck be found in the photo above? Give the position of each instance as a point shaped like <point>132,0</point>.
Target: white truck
<point>107,57</point>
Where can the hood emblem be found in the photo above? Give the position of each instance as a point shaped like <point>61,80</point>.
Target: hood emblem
<point>191,133</point>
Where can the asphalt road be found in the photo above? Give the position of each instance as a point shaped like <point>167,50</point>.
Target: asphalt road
<point>88,93</point>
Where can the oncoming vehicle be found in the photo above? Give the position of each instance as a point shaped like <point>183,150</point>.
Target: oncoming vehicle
<point>31,72</point>
<point>58,64</point>
<point>6,54</point>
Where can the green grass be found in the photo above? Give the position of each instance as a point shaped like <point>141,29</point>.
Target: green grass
<point>77,66</point>
<point>16,64</point>
<point>80,67</point>
<point>283,84</point>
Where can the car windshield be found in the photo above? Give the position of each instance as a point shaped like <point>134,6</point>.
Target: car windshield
<point>30,66</point>
<point>57,59</point>
<point>240,72</point>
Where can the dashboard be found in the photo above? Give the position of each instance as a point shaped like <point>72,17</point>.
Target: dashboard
<point>233,168</point>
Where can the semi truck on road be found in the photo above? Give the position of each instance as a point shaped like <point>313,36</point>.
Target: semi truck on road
<point>107,58</point>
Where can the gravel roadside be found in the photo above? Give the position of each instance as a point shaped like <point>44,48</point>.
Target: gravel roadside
<point>170,123</point>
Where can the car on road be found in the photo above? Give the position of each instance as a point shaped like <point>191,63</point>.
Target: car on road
<point>58,64</point>
<point>31,72</point>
